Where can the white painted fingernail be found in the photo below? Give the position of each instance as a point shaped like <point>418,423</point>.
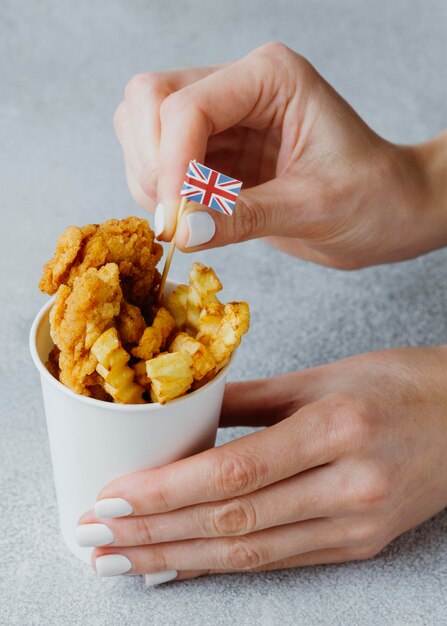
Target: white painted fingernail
<point>158,578</point>
<point>93,535</point>
<point>112,565</point>
<point>159,220</point>
<point>113,507</point>
<point>201,228</point>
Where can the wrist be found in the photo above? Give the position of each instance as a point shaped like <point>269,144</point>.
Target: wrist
<point>429,168</point>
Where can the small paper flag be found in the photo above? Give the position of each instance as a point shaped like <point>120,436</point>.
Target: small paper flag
<point>211,188</point>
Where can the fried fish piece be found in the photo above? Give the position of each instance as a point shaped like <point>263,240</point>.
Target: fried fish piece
<point>52,364</point>
<point>130,323</point>
<point>80,314</point>
<point>128,242</point>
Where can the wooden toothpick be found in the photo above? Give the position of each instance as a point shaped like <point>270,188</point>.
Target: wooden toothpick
<point>164,275</point>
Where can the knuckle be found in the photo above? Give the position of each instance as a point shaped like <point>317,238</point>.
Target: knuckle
<point>118,117</point>
<point>158,494</point>
<point>173,104</point>
<point>363,534</point>
<point>282,56</point>
<point>158,561</point>
<point>375,489</point>
<point>243,555</point>
<point>354,420</point>
<point>142,83</point>
<point>142,530</point>
<point>275,49</point>
<point>249,221</point>
<point>234,518</point>
<point>235,475</point>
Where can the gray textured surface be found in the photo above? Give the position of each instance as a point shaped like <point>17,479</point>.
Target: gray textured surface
<point>62,70</point>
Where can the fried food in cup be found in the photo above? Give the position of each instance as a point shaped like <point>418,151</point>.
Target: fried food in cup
<point>171,375</point>
<point>80,314</point>
<point>203,286</point>
<point>154,337</point>
<point>202,360</point>
<point>110,339</point>
<point>112,367</point>
<point>177,303</point>
<point>130,323</point>
<point>130,243</point>
<point>221,328</point>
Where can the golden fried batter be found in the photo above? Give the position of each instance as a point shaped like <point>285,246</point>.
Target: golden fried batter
<point>81,313</point>
<point>128,242</point>
<point>52,364</point>
<point>130,323</point>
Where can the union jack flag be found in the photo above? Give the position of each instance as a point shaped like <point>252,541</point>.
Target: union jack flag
<point>211,188</point>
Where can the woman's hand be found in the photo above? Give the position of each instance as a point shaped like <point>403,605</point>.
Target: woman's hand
<point>353,456</point>
<point>317,180</point>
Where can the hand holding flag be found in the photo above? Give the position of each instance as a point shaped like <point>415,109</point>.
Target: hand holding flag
<point>204,186</point>
<point>210,188</point>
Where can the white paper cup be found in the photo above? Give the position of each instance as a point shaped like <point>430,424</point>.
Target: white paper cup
<point>93,442</point>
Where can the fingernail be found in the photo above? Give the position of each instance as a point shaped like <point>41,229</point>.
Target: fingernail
<point>158,578</point>
<point>113,507</point>
<point>201,228</point>
<point>159,220</point>
<point>112,565</point>
<point>93,535</point>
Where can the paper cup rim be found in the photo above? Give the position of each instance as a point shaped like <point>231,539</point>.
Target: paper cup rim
<point>112,406</point>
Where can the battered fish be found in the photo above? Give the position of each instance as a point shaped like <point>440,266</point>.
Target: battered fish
<point>128,242</point>
<point>81,313</point>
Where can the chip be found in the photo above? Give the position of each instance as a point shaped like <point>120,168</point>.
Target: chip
<point>171,375</point>
<point>112,367</point>
<point>202,360</point>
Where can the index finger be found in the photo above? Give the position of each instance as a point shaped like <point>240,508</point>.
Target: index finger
<point>240,93</point>
<point>144,94</point>
<point>296,444</point>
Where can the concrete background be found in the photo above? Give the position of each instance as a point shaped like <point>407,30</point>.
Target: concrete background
<point>63,67</point>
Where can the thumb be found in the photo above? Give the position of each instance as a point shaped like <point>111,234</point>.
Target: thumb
<point>260,211</point>
<point>267,401</point>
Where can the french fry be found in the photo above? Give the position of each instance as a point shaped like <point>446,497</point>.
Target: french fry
<point>105,346</point>
<point>171,375</point>
<point>210,321</point>
<point>149,344</point>
<point>155,336</point>
<point>203,286</point>
<point>176,305</point>
<point>165,322</point>
<point>203,362</point>
<point>112,367</point>
<point>221,328</point>
<point>141,376</point>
